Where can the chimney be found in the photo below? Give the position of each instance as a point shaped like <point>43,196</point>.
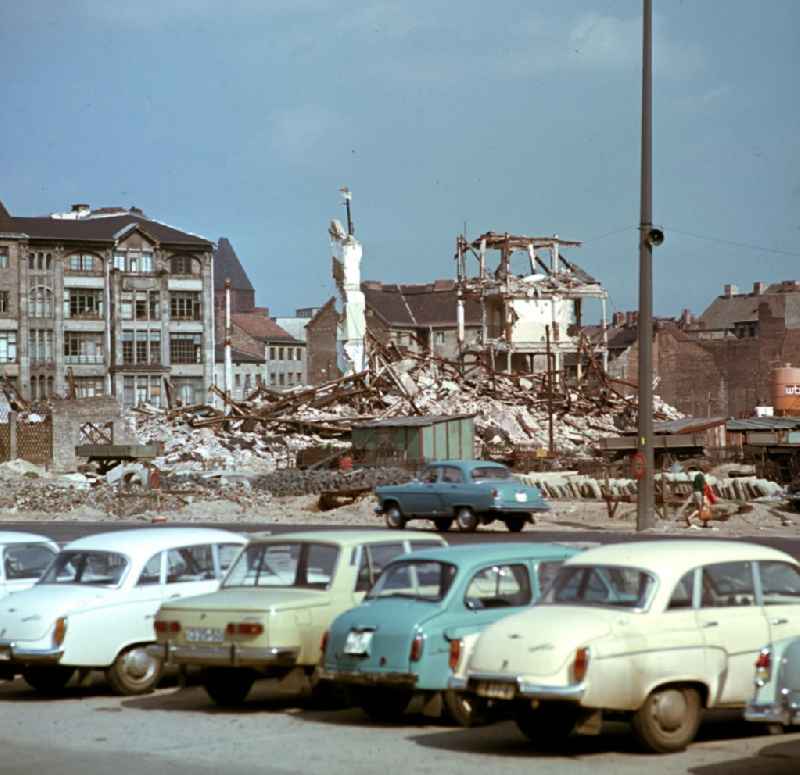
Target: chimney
<point>729,290</point>
<point>80,209</point>
<point>759,288</point>
<point>686,318</point>
<point>618,319</point>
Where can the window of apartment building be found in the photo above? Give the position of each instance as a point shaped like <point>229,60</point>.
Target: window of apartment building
<point>186,348</point>
<point>247,383</point>
<point>238,381</point>
<point>141,347</point>
<point>84,262</point>
<point>272,353</point>
<point>298,354</point>
<point>273,379</point>
<point>184,265</point>
<point>438,337</point>
<point>280,353</point>
<point>140,305</point>
<point>281,379</point>
<point>185,305</point>
<point>41,345</point>
<point>41,387</point>
<point>3,258</point>
<point>39,261</point>
<point>83,303</point>
<point>89,387</point>
<point>3,301</point>
<point>746,330</point>
<point>141,389</point>
<point>134,261</point>
<point>83,348</point>
<point>8,346</point>
<point>189,390</point>
<point>299,376</point>
<point>40,303</point>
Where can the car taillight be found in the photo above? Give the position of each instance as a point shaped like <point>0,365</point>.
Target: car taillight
<point>416,648</point>
<point>580,665</point>
<point>59,631</point>
<point>244,628</point>
<point>763,667</point>
<point>323,643</point>
<point>162,626</point>
<point>455,654</point>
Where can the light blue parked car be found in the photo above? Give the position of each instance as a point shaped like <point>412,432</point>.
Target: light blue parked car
<point>416,624</point>
<point>777,678</point>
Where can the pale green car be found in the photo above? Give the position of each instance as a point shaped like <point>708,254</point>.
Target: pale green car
<point>275,604</point>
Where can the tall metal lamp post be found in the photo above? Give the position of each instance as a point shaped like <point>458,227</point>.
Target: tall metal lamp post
<point>648,238</point>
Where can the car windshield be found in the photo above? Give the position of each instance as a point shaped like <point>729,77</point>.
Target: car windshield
<point>417,579</point>
<point>490,472</point>
<point>26,561</point>
<point>103,569</point>
<point>601,585</point>
<point>287,564</point>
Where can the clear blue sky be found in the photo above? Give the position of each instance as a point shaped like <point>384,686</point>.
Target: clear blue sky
<point>243,119</point>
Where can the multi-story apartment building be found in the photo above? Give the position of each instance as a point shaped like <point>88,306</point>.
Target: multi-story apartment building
<point>106,301</point>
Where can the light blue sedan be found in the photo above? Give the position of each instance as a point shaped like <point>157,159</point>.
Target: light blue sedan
<point>471,492</point>
<point>777,678</point>
<point>413,629</point>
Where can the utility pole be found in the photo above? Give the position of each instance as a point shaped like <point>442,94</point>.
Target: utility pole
<point>645,514</point>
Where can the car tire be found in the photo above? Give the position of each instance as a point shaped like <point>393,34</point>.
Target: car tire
<point>466,520</point>
<point>443,525</point>
<point>228,686</point>
<point>394,518</point>
<point>547,726</point>
<point>384,704</point>
<point>515,524</point>
<point>668,720</point>
<point>466,710</point>
<point>48,680</point>
<point>134,671</point>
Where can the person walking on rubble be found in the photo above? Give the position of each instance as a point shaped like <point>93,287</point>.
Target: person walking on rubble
<point>698,497</point>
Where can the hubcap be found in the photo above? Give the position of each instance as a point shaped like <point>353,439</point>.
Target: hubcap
<point>138,665</point>
<point>670,709</point>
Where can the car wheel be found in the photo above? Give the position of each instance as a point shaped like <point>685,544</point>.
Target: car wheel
<point>515,524</point>
<point>443,525</point>
<point>395,518</point>
<point>466,710</point>
<point>466,520</point>
<point>134,671</point>
<point>48,680</point>
<point>668,720</point>
<point>548,725</point>
<point>384,704</point>
<point>228,686</point>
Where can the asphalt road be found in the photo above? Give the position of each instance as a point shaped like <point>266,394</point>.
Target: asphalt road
<point>178,732</point>
<point>63,531</point>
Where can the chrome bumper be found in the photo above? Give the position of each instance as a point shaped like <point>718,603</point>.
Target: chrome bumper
<point>774,713</point>
<point>368,679</point>
<point>573,692</point>
<point>10,652</point>
<point>457,684</point>
<point>227,654</point>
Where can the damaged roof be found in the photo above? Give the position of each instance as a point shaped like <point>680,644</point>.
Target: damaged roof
<point>262,328</point>
<point>429,305</point>
<point>237,356</point>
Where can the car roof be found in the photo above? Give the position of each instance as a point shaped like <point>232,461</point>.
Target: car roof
<point>468,463</point>
<point>474,554</point>
<point>676,557</point>
<point>347,537</point>
<point>18,537</point>
<point>153,539</point>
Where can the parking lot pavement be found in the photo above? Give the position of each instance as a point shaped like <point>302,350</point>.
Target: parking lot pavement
<point>87,731</point>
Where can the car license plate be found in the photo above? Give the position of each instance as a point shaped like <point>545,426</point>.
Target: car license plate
<point>205,634</point>
<point>5,654</point>
<point>496,691</point>
<point>358,642</point>
<point>521,497</point>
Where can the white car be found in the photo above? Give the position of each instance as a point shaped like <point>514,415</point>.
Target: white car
<point>23,559</point>
<point>651,632</point>
<point>95,605</point>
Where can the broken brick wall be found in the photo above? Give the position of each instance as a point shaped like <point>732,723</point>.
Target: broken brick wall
<point>321,346</point>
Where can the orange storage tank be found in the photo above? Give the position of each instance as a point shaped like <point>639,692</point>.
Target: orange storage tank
<point>786,390</point>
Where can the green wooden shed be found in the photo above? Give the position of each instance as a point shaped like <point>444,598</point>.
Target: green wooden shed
<point>414,440</point>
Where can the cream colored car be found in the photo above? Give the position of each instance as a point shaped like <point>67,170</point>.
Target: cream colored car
<point>275,604</point>
<point>652,632</point>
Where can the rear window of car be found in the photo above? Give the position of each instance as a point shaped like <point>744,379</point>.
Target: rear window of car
<point>289,564</point>
<point>427,580</point>
<point>26,561</point>
<point>490,472</point>
<point>499,586</point>
<point>602,586</point>
<point>94,568</point>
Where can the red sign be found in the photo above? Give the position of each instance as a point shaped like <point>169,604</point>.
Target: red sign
<point>638,465</point>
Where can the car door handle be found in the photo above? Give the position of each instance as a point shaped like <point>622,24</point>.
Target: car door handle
<point>779,621</point>
<point>710,624</point>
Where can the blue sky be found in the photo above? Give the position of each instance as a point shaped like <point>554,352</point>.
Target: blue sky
<point>243,119</point>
